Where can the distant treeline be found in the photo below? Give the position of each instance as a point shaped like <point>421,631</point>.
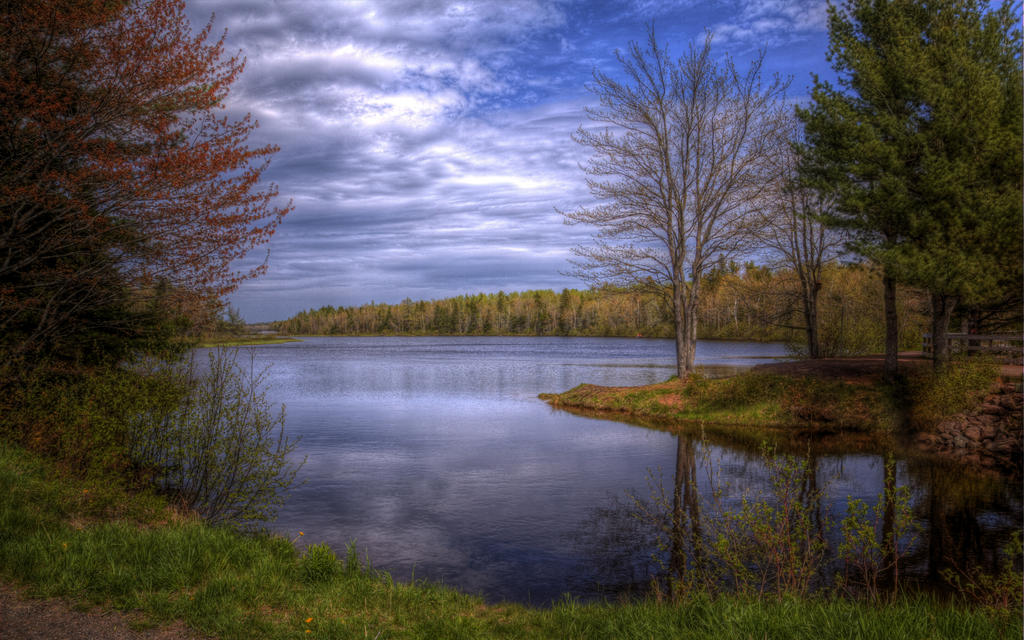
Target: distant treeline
<point>740,302</point>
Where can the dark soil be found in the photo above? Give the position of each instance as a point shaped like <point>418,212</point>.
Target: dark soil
<point>23,618</point>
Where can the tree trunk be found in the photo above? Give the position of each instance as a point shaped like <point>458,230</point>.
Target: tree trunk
<point>811,319</point>
<point>690,318</point>
<point>684,310</point>
<point>892,333</point>
<point>680,332</point>
<point>942,309</point>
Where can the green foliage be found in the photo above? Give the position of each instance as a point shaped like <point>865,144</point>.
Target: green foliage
<point>605,312</point>
<point>774,544</point>
<point>850,319</point>
<point>738,302</point>
<point>874,539</point>
<point>921,140</point>
<point>221,449</point>
<point>999,592</point>
<point>953,389</point>
<point>319,564</point>
<point>81,417</point>
<point>208,436</point>
<point>231,323</point>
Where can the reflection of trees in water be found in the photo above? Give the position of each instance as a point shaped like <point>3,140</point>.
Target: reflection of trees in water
<point>635,542</point>
<point>685,532</point>
<point>667,540</point>
<point>968,520</point>
<point>619,552</point>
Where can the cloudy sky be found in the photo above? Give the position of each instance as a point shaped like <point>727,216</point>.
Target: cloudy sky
<point>426,143</point>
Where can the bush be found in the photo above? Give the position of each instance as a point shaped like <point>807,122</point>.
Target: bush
<point>221,449</point>
<point>775,543</point>
<point>956,388</point>
<point>77,415</point>
<point>211,438</point>
<point>319,564</point>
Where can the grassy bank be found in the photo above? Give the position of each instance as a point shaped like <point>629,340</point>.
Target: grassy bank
<point>750,406</point>
<point>773,403</point>
<point>94,542</point>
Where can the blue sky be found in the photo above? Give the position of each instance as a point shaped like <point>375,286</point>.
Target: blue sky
<point>426,144</point>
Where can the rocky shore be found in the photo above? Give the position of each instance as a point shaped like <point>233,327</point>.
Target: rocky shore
<point>988,437</point>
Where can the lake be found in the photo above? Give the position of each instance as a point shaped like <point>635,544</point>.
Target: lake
<point>436,457</point>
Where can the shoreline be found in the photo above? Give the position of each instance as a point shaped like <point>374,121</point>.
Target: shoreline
<point>977,422</point>
<point>82,548</point>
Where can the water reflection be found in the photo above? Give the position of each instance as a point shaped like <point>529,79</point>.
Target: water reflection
<point>762,522</point>
<point>437,458</point>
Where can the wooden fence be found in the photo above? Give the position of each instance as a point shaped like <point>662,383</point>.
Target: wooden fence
<point>1004,345</point>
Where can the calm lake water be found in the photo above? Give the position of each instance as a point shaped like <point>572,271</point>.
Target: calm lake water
<point>436,457</point>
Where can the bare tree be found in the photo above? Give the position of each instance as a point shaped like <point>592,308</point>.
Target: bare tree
<point>793,231</point>
<point>678,169</point>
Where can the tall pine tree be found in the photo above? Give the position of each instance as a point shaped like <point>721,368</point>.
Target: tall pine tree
<point>921,144</point>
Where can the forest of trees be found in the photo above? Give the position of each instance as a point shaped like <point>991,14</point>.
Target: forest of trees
<point>740,302</point>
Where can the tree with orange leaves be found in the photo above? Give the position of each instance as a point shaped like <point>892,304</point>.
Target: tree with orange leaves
<point>124,188</point>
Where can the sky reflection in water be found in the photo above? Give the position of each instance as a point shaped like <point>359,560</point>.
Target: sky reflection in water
<point>437,458</point>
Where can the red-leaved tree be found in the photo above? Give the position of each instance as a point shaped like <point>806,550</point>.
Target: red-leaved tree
<point>121,177</point>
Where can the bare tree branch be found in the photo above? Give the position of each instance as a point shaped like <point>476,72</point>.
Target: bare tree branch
<point>682,166</point>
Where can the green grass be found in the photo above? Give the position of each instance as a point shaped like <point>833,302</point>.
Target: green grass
<point>95,543</point>
<point>749,402</point>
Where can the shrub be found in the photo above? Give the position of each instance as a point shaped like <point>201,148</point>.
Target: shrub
<point>221,449</point>
<point>1000,591</point>
<point>876,539</point>
<point>318,564</point>
<point>956,388</point>
<point>77,415</point>
<point>774,543</point>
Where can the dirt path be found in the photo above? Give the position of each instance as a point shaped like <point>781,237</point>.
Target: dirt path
<point>23,618</point>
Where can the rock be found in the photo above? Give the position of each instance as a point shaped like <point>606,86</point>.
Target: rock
<point>986,419</point>
<point>1003,445</point>
<point>991,436</point>
<point>990,409</point>
<point>1010,401</point>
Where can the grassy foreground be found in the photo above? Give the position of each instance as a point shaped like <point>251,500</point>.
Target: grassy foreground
<point>96,543</point>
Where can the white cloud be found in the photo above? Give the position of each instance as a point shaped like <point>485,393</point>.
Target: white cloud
<point>772,23</point>
<point>426,144</point>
